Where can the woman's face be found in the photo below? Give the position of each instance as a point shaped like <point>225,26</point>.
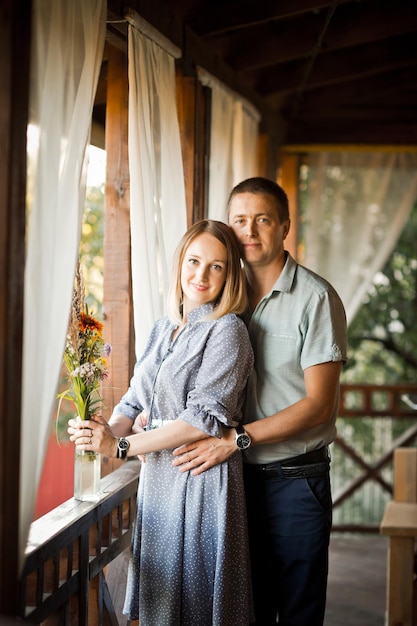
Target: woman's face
<point>203,271</point>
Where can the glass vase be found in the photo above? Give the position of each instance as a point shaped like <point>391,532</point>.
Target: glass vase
<point>87,473</point>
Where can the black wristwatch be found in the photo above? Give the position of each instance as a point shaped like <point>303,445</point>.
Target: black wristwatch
<point>243,440</point>
<point>123,446</point>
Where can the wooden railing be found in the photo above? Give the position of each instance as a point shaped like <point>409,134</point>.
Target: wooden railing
<point>64,580</point>
<point>359,402</point>
<point>377,400</point>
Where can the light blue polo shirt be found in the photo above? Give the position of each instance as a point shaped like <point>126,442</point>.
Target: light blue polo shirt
<point>300,323</point>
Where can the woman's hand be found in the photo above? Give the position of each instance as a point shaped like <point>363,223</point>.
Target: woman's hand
<point>139,427</point>
<point>93,435</point>
<point>140,422</point>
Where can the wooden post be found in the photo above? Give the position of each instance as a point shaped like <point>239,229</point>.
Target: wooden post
<point>194,120</point>
<point>289,180</point>
<point>405,475</point>
<point>267,156</point>
<point>15,24</point>
<point>400,525</point>
<point>117,297</point>
<point>186,120</point>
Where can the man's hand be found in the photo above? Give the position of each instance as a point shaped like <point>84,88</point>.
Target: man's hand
<point>201,455</point>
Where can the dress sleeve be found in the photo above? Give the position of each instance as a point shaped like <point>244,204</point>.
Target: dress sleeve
<point>218,395</point>
<point>129,404</point>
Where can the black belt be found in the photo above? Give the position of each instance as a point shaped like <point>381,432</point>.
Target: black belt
<point>314,463</point>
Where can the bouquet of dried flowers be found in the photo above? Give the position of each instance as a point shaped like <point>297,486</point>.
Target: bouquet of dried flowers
<point>85,355</point>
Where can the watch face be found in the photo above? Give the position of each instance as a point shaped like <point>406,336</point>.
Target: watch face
<point>122,448</point>
<point>243,441</point>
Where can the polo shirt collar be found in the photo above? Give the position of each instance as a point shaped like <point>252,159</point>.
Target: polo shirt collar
<point>285,280</point>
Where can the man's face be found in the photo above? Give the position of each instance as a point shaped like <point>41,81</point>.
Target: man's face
<point>255,221</point>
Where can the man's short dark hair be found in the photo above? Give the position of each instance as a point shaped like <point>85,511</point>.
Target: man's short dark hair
<point>259,185</point>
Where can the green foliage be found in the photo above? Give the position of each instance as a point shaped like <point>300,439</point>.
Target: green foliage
<point>383,335</point>
<point>91,248</point>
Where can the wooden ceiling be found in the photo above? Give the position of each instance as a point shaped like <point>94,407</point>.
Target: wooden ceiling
<point>336,71</point>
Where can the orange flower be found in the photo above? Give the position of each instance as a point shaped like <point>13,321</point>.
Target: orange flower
<point>87,322</point>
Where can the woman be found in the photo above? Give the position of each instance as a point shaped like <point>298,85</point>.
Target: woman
<point>190,563</point>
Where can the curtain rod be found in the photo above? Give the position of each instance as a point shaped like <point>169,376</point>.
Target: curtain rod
<point>149,31</point>
<point>208,80</point>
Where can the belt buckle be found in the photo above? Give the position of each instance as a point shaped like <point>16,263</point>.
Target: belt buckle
<point>274,471</point>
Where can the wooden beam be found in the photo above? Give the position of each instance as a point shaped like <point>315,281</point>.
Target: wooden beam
<point>155,12</point>
<point>341,66</point>
<point>15,22</point>
<point>359,94</point>
<point>345,132</point>
<point>235,16</point>
<point>351,25</point>
<point>347,147</point>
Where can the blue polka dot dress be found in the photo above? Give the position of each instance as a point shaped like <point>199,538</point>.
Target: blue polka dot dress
<point>190,560</point>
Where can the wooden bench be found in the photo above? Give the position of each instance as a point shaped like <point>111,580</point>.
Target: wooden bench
<point>399,523</point>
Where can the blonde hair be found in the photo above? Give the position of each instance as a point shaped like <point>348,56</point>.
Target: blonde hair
<point>233,298</point>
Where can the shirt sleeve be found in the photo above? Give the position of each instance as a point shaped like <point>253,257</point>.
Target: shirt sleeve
<point>325,330</point>
<point>217,397</point>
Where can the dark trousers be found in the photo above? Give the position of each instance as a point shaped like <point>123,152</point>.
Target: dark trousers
<point>289,531</point>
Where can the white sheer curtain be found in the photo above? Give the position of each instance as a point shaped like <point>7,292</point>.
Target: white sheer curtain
<point>233,143</point>
<point>158,209</point>
<point>67,48</point>
<point>355,207</point>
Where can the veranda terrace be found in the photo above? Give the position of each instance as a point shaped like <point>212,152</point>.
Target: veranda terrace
<point>237,91</point>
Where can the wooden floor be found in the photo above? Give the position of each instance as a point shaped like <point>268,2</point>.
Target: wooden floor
<point>356,589</point>
<point>357,581</point>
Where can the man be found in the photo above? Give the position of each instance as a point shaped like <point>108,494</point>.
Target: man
<point>298,332</point>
